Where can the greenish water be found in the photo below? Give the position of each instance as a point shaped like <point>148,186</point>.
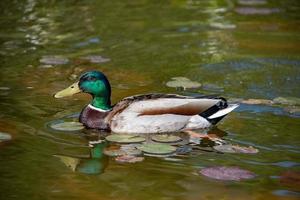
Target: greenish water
<point>246,51</point>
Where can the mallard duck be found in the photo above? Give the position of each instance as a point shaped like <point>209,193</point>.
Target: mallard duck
<point>147,113</point>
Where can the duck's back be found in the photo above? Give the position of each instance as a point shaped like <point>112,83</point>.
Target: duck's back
<point>156,113</point>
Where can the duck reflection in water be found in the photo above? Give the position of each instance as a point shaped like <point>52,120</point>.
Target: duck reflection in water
<point>98,161</point>
<point>95,164</point>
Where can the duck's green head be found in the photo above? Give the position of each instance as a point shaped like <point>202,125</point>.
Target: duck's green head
<point>94,83</point>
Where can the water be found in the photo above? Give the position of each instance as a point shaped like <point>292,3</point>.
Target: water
<point>237,50</point>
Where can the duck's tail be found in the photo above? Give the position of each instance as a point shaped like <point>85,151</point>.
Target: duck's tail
<point>217,112</point>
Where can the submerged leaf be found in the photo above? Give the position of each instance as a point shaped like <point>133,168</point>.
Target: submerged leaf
<point>166,138</point>
<point>228,148</point>
<point>129,159</point>
<point>258,101</point>
<point>291,101</point>
<point>154,148</point>
<point>121,152</point>
<point>256,11</point>
<point>227,173</point>
<point>96,59</point>
<point>183,82</point>
<point>125,138</point>
<point>185,149</point>
<point>4,88</point>
<point>222,25</point>
<point>252,2</point>
<point>54,60</point>
<point>67,126</point>
<point>293,110</point>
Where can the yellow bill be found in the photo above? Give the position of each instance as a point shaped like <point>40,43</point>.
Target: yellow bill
<point>69,91</point>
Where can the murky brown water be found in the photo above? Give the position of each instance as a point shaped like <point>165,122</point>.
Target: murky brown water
<point>232,48</point>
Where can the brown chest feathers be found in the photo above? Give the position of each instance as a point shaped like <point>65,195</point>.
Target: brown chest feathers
<point>92,118</point>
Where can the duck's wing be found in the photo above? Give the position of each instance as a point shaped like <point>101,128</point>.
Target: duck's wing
<point>158,104</point>
<point>161,109</point>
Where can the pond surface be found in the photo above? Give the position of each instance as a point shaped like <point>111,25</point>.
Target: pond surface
<point>238,49</point>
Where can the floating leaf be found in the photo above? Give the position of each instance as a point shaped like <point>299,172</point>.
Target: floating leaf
<point>120,152</point>
<point>227,173</point>
<point>154,148</point>
<point>228,148</point>
<point>183,82</point>
<point>131,149</point>
<point>129,159</point>
<point>158,155</point>
<point>70,162</point>
<point>54,60</point>
<point>126,147</point>
<point>125,138</point>
<point>4,137</point>
<point>166,138</point>
<point>67,126</point>
<point>213,87</point>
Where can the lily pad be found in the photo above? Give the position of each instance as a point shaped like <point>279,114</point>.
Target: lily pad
<point>4,137</point>
<point>228,148</point>
<point>70,162</point>
<point>165,138</point>
<point>121,152</point>
<point>67,126</point>
<point>54,60</point>
<point>227,173</point>
<point>154,148</point>
<point>125,138</point>
<point>129,159</point>
<point>114,152</point>
<point>182,82</point>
